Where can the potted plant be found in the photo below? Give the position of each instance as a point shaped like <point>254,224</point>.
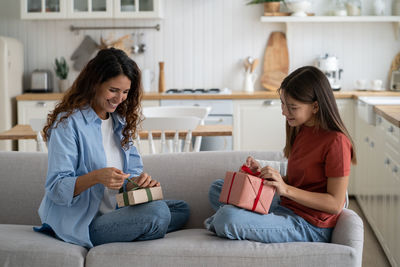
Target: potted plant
<point>270,6</point>
<point>62,69</point>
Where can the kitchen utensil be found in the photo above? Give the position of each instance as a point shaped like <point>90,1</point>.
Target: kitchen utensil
<point>246,65</point>
<point>142,45</point>
<point>254,65</point>
<point>83,53</point>
<point>329,65</point>
<point>276,61</point>
<point>41,81</point>
<point>250,60</point>
<point>161,80</point>
<point>135,48</point>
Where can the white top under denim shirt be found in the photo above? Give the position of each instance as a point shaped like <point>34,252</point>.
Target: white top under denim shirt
<point>114,159</point>
<point>74,149</point>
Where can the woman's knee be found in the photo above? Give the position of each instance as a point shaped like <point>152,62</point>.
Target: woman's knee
<point>157,214</point>
<point>226,222</point>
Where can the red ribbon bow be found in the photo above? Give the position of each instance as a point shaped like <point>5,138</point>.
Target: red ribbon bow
<point>249,171</point>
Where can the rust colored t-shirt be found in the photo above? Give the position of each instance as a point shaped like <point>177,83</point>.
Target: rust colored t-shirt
<point>316,155</point>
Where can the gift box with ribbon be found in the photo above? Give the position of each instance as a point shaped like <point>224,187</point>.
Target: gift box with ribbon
<point>138,195</point>
<point>247,191</point>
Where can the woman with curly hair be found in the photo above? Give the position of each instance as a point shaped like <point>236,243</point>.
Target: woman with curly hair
<point>90,154</point>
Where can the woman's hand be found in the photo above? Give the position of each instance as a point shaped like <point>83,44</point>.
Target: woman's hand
<point>112,178</point>
<point>144,180</point>
<point>273,177</point>
<point>252,164</point>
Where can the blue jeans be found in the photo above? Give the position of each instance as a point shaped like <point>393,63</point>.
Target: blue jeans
<point>145,221</point>
<point>279,225</point>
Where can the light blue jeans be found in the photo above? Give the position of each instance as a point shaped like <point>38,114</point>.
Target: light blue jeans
<point>279,225</point>
<point>145,221</point>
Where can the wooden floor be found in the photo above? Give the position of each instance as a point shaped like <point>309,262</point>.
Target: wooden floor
<point>373,255</point>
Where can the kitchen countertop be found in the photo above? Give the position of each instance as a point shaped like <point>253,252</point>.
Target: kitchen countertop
<point>234,95</point>
<point>390,113</point>
<point>26,132</point>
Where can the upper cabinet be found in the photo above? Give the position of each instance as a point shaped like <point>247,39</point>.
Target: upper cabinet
<point>91,9</point>
<point>137,8</point>
<point>43,9</point>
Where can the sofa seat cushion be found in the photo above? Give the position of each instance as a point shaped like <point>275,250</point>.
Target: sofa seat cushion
<point>21,246</point>
<point>198,247</point>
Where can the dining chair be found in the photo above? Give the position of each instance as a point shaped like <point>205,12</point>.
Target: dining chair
<point>166,125</point>
<point>200,112</point>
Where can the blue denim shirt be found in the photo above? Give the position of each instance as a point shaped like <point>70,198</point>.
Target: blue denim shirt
<point>75,148</point>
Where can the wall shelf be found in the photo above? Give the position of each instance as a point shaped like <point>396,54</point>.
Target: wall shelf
<point>336,19</point>
<point>331,19</point>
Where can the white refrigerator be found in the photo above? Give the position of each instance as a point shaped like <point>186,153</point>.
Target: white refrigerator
<point>11,75</point>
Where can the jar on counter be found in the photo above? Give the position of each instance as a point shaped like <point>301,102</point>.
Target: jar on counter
<point>353,7</point>
<point>379,7</point>
<point>339,8</point>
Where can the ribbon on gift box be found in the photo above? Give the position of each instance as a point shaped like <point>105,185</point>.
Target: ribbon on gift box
<point>136,187</point>
<point>249,171</point>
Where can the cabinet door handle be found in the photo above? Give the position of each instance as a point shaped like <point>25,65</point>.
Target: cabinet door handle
<point>387,161</point>
<point>41,104</point>
<point>395,169</point>
<point>268,102</point>
<point>391,129</point>
<point>366,139</point>
<point>372,144</point>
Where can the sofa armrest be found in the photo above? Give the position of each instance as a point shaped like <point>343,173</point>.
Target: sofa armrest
<point>349,231</point>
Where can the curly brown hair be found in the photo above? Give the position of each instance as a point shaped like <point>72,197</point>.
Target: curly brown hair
<point>107,64</point>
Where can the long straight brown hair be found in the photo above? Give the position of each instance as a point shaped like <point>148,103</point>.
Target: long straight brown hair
<point>107,64</point>
<point>307,85</point>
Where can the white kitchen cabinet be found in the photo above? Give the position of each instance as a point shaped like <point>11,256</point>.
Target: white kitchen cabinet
<point>86,9</point>
<point>346,110</point>
<point>258,125</point>
<point>143,9</point>
<point>378,181</point>
<point>150,103</point>
<point>43,9</point>
<point>35,114</point>
<point>91,9</point>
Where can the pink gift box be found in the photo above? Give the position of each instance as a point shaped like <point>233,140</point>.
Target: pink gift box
<point>247,191</point>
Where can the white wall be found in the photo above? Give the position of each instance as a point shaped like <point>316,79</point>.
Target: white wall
<point>204,42</point>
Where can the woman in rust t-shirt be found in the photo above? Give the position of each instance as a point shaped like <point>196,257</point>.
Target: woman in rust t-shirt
<point>310,197</point>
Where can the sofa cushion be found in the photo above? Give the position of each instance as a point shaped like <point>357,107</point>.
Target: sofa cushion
<point>198,247</point>
<point>22,179</point>
<point>21,246</point>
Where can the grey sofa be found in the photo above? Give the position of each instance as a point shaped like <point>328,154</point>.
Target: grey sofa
<point>184,176</point>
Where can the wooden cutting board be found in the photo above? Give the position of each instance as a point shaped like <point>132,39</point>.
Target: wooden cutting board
<point>276,61</point>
